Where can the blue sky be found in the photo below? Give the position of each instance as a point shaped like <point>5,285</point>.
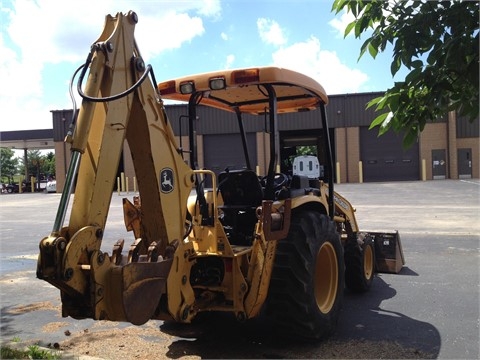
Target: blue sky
<point>42,42</point>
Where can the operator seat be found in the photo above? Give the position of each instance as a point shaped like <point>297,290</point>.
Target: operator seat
<point>242,194</point>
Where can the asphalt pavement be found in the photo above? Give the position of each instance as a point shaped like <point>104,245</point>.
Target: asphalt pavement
<point>431,305</point>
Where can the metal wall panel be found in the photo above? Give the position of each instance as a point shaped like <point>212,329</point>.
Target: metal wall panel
<point>467,129</point>
<point>61,121</point>
<point>212,121</point>
<point>300,121</point>
<point>176,115</point>
<point>342,111</point>
<point>225,151</point>
<point>350,110</point>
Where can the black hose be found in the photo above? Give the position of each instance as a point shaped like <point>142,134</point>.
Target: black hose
<point>112,97</point>
<point>74,102</point>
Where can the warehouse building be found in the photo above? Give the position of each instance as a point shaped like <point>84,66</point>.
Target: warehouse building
<point>446,149</point>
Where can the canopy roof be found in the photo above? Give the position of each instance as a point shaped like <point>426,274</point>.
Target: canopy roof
<point>244,90</point>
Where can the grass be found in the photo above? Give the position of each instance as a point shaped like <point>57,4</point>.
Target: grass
<point>32,352</point>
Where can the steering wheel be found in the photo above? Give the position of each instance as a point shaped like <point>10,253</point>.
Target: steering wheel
<point>279,181</point>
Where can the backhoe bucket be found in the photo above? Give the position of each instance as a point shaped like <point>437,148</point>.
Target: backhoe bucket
<point>388,251</point>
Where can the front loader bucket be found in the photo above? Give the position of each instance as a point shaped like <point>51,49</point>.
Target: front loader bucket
<point>388,251</point>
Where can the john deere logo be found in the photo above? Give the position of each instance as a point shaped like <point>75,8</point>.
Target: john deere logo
<point>166,180</point>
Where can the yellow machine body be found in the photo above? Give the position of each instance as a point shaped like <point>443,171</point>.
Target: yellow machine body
<point>184,257</point>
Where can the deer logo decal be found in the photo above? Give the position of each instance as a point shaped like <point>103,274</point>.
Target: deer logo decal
<point>166,180</point>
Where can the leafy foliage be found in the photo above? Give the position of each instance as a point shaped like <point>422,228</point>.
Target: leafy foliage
<point>49,164</point>
<point>306,150</point>
<point>297,151</point>
<point>39,164</point>
<point>8,163</point>
<point>33,352</point>
<point>438,42</point>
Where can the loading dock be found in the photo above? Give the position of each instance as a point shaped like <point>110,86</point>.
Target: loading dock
<point>385,159</point>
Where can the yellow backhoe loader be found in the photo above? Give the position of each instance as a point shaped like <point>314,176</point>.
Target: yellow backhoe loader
<point>284,246</point>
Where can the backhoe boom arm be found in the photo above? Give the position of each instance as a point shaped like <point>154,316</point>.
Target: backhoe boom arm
<point>119,103</point>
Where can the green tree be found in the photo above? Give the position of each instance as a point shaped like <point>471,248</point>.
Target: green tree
<point>438,42</point>
<point>49,166</point>
<point>307,150</point>
<point>39,164</point>
<point>35,161</point>
<point>8,164</point>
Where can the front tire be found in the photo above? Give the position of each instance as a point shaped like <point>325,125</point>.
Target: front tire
<point>360,264</point>
<point>306,288</point>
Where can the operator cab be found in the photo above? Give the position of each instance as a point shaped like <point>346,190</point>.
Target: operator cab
<point>265,92</point>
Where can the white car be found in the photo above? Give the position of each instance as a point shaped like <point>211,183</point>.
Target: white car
<point>51,186</point>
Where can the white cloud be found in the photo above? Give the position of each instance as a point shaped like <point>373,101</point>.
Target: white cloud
<point>63,30</point>
<point>21,91</point>
<point>35,33</point>
<point>224,36</point>
<point>271,32</point>
<point>229,61</point>
<point>340,23</point>
<point>209,8</point>
<point>324,66</point>
<point>149,28</point>
<point>307,57</point>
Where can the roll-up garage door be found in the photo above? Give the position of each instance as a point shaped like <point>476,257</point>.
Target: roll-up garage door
<point>385,159</point>
<point>226,151</point>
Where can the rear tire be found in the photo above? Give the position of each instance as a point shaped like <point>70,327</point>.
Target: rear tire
<point>360,264</point>
<point>306,288</point>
